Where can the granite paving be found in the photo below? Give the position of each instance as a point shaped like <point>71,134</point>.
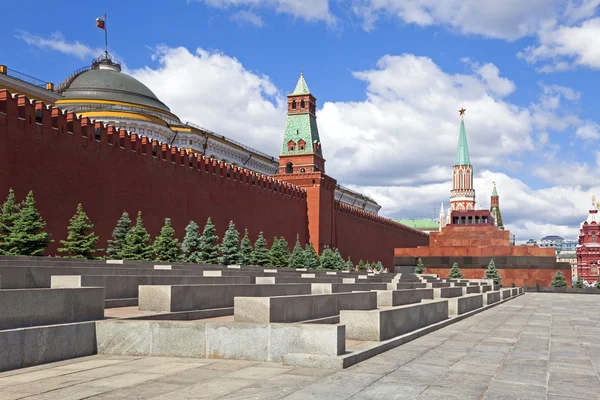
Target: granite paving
<point>537,346</point>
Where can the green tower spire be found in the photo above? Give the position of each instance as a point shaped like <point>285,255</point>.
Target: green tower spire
<point>462,151</point>
<point>301,131</point>
<point>494,192</point>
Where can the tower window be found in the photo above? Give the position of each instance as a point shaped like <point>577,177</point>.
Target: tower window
<point>291,145</point>
<point>301,103</point>
<point>301,144</point>
<point>289,168</point>
<point>294,105</point>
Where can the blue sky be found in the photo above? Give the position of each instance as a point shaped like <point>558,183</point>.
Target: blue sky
<point>389,77</point>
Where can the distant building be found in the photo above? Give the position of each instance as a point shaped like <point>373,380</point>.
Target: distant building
<point>588,249</point>
<point>424,225</point>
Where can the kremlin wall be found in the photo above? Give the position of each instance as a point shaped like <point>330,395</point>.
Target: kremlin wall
<point>67,158</point>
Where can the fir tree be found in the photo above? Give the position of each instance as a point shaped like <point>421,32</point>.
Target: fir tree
<point>559,280</point>
<point>166,246</point>
<point>246,249</point>
<point>81,241</point>
<point>311,258</point>
<point>420,267</point>
<point>297,259</point>
<point>209,249</point>
<point>27,237</point>
<point>328,259</point>
<point>455,272</point>
<point>340,264</point>
<point>361,265</point>
<point>349,266</point>
<point>578,283</point>
<point>367,266</point>
<point>137,242</point>
<point>230,246</point>
<point>115,245</point>
<point>279,256</point>
<point>260,254</point>
<point>9,213</point>
<point>492,273</point>
<point>191,244</point>
<point>379,266</point>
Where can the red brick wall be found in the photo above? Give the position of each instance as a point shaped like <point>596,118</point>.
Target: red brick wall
<point>369,237</point>
<point>65,168</point>
<point>520,277</point>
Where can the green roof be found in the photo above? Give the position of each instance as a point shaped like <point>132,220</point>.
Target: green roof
<point>301,86</point>
<point>494,192</point>
<point>462,151</point>
<point>301,126</point>
<point>419,223</point>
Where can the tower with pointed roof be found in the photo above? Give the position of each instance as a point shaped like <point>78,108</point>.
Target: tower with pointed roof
<point>301,148</point>
<point>462,195</point>
<point>588,249</point>
<point>495,208</point>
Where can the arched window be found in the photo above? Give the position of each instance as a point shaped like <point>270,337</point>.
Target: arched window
<point>294,105</point>
<point>301,103</point>
<point>291,145</point>
<point>289,168</point>
<point>301,144</point>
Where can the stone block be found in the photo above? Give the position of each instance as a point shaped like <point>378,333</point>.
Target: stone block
<point>331,273</point>
<point>163,267</point>
<point>464,304</point>
<point>323,288</point>
<point>515,291</point>
<point>114,261</point>
<point>201,297</point>
<point>471,289</point>
<point>486,288</point>
<point>447,292</point>
<point>302,269</point>
<point>362,277</point>
<point>65,281</point>
<point>383,324</point>
<point>400,297</point>
<point>34,307</point>
<point>307,275</point>
<point>348,280</point>
<point>490,298</point>
<point>212,273</point>
<point>265,280</point>
<point>234,266</point>
<point>506,293</point>
<point>270,271</point>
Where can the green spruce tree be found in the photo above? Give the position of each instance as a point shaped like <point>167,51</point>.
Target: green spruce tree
<point>27,237</point>
<point>191,244</point>
<point>379,266</point>
<point>279,256</point>
<point>137,244</point>
<point>297,259</point>
<point>367,266</point>
<point>349,266</point>
<point>340,264</point>
<point>492,273</point>
<point>246,248</point>
<point>420,269</point>
<point>260,254</point>
<point>115,245</point>
<point>328,259</point>
<point>361,266</point>
<point>578,283</point>
<point>230,246</point>
<point>455,272</point>
<point>209,249</point>
<point>311,258</point>
<point>166,246</point>
<point>559,280</point>
<point>8,214</point>
<point>81,241</point>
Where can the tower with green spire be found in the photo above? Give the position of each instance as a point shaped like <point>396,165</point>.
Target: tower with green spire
<point>495,208</point>
<point>462,195</point>
<point>301,148</point>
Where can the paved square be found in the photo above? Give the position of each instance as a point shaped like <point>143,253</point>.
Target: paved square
<point>536,346</point>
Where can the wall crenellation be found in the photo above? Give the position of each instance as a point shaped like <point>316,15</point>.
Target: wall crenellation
<point>44,118</point>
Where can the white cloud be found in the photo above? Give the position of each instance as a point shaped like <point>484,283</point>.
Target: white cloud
<point>564,47</point>
<point>217,92</point>
<point>247,17</point>
<point>589,130</point>
<point>57,42</point>
<point>308,10</point>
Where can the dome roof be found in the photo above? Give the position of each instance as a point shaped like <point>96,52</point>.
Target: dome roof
<point>552,238</point>
<point>105,81</point>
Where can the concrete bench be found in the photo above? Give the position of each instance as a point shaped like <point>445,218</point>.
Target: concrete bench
<point>383,324</point>
<point>464,304</point>
<point>21,308</point>
<point>491,298</point>
<point>126,286</point>
<point>447,292</point>
<point>471,289</point>
<point>400,297</point>
<point>515,291</point>
<point>323,288</point>
<point>406,285</point>
<point>300,308</point>
<point>506,293</point>
<point>201,297</point>
<point>459,284</point>
<point>486,288</point>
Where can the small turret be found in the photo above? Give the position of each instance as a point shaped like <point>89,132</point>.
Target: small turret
<point>495,208</point>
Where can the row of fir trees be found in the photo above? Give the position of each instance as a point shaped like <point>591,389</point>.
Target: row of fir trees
<point>455,273</point>
<point>22,232</point>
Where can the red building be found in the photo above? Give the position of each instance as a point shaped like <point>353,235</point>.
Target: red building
<point>588,249</point>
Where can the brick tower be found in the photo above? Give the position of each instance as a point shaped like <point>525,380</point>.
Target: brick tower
<point>588,249</point>
<point>301,162</point>
<point>495,208</point>
<point>462,195</point>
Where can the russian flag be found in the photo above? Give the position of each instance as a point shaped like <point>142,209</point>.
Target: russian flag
<point>100,22</point>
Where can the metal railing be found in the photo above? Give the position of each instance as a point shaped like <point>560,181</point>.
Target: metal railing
<point>26,78</point>
<point>65,84</point>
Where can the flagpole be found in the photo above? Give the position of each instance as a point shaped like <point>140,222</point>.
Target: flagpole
<point>105,36</point>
